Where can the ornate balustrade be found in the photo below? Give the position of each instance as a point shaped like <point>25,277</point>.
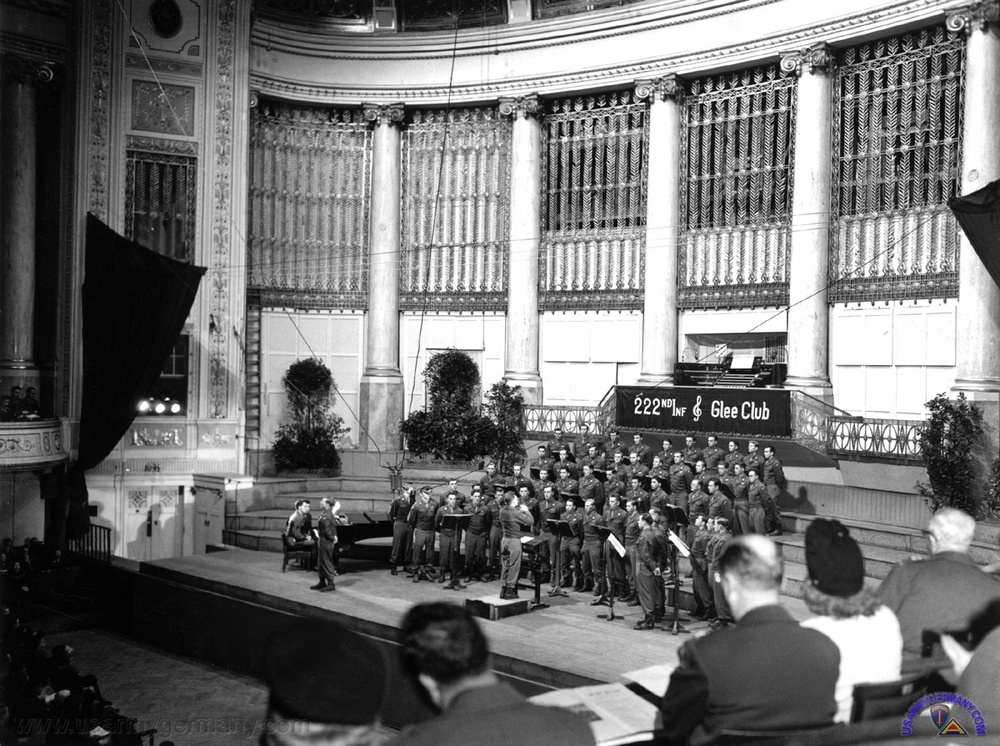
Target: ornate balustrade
<point>884,440</point>
<point>36,444</point>
<point>542,420</point>
<point>95,544</point>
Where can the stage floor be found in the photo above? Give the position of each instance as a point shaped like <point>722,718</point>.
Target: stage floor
<point>564,645</point>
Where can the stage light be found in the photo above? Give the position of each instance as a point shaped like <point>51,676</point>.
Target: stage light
<point>144,405</point>
<point>175,408</point>
<point>160,407</point>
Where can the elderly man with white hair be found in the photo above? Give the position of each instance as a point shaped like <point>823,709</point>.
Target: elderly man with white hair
<point>943,593</point>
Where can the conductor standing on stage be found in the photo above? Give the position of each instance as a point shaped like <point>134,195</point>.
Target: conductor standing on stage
<point>514,518</point>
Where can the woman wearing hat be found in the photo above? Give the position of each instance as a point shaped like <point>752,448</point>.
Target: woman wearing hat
<point>865,630</point>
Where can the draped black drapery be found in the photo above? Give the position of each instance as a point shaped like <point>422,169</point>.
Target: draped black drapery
<point>979,215</point>
<point>134,305</point>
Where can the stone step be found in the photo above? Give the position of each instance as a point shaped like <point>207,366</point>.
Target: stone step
<point>878,560</point>
<point>903,539</point>
<point>275,520</point>
<point>351,502</point>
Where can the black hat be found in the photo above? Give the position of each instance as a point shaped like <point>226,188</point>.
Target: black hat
<point>836,566</point>
<point>324,673</point>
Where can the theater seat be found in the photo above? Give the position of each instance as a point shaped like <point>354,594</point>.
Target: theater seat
<point>875,701</point>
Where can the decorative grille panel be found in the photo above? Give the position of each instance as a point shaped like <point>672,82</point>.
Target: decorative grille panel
<point>897,146</point>
<point>310,175</point>
<point>737,156</point>
<point>160,202</point>
<point>456,211</point>
<point>594,205</point>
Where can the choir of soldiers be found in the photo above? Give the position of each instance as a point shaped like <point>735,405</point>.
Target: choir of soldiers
<point>576,489</point>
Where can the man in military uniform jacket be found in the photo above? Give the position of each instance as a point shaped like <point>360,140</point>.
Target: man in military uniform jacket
<point>592,548</point>
<point>584,440</point>
<point>658,498</point>
<point>716,545</point>
<point>491,479</point>
<point>613,444</point>
<point>619,466</point>
<point>421,518</point>
<point>644,452</point>
<point>703,595</point>
<point>558,443</point>
<point>594,459</point>
<point>636,468</point>
<point>712,454</point>
<point>544,460</point>
<point>659,470</point>
<point>773,477</point>
<point>637,493</point>
<point>328,555</point>
<point>613,485</point>
<point>567,485</point>
<point>572,575</point>
<point>667,454</point>
<point>739,486</point>
<point>300,528</point>
<point>496,530</point>
<point>757,499</point>
<point>648,572</point>
<point>449,538</point>
<point>615,518</point>
<point>733,456</point>
<point>697,500</point>
<point>590,488</point>
<point>691,452</point>
<point>525,492</point>
<point>550,508</point>
<point>753,460</point>
<point>477,536</point>
<point>632,530</point>
<point>402,531</point>
<point>680,481</point>
<point>719,506</point>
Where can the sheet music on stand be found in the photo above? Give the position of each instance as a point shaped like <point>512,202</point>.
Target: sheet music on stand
<point>677,542</point>
<point>616,714</point>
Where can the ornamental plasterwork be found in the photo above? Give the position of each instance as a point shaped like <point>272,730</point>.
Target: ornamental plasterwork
<point>978,15</point>
<point>100,106</point>
<point>521,106</point>
<point>666,88</point>
<point>614,74</point>
<point>157,437</point>
<point>217,438</point>
<point>384,113</point>
<point>222,198</point>
<point>175,67</point>
<point>816,57</point>
<point>162,107</point>
<point>157,145</point>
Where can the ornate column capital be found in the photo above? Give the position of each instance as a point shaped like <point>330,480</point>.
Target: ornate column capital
<point>22,70</point>
<point>816,57</point>
<point>981,14</point>
<point>669,87</point>
<point>521,106</point>
<point>391,114</point>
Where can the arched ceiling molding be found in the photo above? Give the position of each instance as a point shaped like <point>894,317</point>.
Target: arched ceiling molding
<point>692,44</point>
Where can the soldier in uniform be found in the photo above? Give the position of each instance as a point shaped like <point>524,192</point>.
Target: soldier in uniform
<point>496,531</point>
<point>715,548</point>
<point>613,445</point>
<point>757,499</point>
<point>569,550</point>
<point>712,454</point>
<point>659,470</point>
<point>613,485</point>
<point>699,570</point>
<point>632,531</point>
<point>558,443</point>
<point>719,506</point>
<point>565,484</point>
<point>590,488</point>
<point>753,459</point>
<point>773,477</point>
<point>733,456</point>
<point>565,462</point>
<point>644,452</point>
<point>584,440</point>
<point>544,460</point>
<point>691,452</point>
<point>614,563</point>
<point>680,481</point>
<point>550,509</point>
<point>592,548</point>
<point>701,473</point>
<point>594,459</point>
<point>477,536</point>
<point>636,468</point>
<point>739,485</point>
<point>667,454</point>
<point>697,500</point>
<point>514,520</point>
<point>448,542</point>
<point>491,479</point>
<point>657,498</point>
<point>648,571</point>
<point>402,531</point>
<point>637,493</point>
<point>421,518</point>
<point>619,466</point>
<point>460,497</point>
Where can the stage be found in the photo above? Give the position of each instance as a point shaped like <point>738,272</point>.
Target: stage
<point>564,645</point>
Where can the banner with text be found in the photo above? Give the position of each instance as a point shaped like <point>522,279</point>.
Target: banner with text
<point>765,412</point>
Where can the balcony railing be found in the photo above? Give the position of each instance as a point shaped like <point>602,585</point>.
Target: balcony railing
<point>884,440</point>
<point>95,544</point>
<point>31,445</point>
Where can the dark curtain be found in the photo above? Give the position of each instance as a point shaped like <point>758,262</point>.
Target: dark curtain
<point>134,305</point>
<point>979,215</point>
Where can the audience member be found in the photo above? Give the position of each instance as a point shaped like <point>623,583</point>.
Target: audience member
<point>978,671</point>
<point>766,673</point>
<point>446,651</point>
<point>327,685</point>
<point>942,593</point>
<point>866,632</point>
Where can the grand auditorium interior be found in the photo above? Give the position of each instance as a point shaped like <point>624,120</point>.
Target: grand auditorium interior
<point>671,218</point>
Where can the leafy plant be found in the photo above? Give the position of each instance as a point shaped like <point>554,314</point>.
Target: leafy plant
<point>310,441</point>
<point>450,427</point>
<point>992,507</point>
<point>951,441</point>
<point>504,406</point>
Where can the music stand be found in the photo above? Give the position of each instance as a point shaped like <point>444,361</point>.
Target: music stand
<point>606,534</point>
<point>677,519</point>
<point>534,563</point>
<point>460,522</point>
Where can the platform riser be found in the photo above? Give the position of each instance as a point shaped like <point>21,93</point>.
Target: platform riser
<point>874,568</point>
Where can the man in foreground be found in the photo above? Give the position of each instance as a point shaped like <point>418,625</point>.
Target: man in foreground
<point>792,671</point>
<point>446,651</point>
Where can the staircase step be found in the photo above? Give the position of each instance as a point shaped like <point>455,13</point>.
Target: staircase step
<point>878,560</point>
<point>350,502</point>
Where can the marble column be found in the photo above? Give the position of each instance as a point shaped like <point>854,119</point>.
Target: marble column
<point>978,349</point>
<point>382,382</point>
<point>17,223</point>
<point>809,255</point>
<point>663,219</point>
<point>521,366</point>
